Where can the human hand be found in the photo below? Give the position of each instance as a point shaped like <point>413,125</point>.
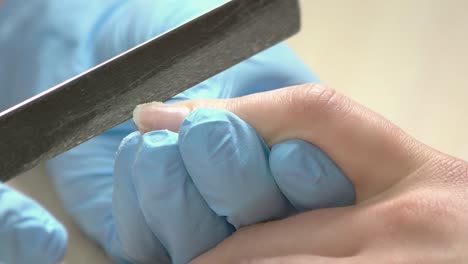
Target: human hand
<point>185,192</point>
<point>411,199</point>
<point>28,233</point>
<point>110,211</point>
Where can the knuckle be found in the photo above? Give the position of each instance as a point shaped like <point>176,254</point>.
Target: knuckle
<point>316,100</point>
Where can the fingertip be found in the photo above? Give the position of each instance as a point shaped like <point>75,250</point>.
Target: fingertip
<point>158,139</point>
<point>28,233</point>
<point>308,177</point>
<point>228,163</point>
<point>208,130</point>
<point>44,241</point>
<point>56,244</point>
<point>129,141</point>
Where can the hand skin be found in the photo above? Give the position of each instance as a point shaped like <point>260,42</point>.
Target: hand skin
<point>411,199</point>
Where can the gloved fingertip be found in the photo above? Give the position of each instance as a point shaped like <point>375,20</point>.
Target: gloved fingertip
<point>308,177</point>
<point>228,162</point>
<point>158,139</point>
<point>28,233</point>
<point>159,116</point>
<point>214,133</point>
<point>41,242</point>
<point>56,244</point>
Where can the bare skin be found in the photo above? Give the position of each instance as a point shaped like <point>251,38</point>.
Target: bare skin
<point>411,199</point>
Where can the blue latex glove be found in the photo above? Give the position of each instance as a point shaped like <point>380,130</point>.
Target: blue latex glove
<point>28,233</point>
<point>182,193</point>
<point>127,225</point>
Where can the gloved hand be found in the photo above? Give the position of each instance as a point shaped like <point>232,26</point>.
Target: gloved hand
<point>123,217</point>
<point>28,233</point>
<point>181,194</point>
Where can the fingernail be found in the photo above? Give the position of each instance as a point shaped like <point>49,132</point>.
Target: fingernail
<point>159,116</point>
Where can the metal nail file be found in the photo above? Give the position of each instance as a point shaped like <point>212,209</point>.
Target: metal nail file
<point>72,112</point>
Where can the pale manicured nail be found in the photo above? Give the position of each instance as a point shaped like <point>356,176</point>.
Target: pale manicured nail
<point>159,116</point>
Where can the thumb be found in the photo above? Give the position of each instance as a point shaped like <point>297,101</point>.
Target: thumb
<point>372,152</point>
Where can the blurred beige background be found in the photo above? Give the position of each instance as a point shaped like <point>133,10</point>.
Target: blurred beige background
<point>405,59</point>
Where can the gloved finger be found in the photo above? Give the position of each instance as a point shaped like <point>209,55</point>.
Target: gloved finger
<point>228,163</point>
<point>308,177</point>
<point>345,130</point>
<point>28,233</point>
<point>133,239</point>
<point>173,208</point>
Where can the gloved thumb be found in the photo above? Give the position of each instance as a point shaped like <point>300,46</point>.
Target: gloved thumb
<point>360,141</point>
